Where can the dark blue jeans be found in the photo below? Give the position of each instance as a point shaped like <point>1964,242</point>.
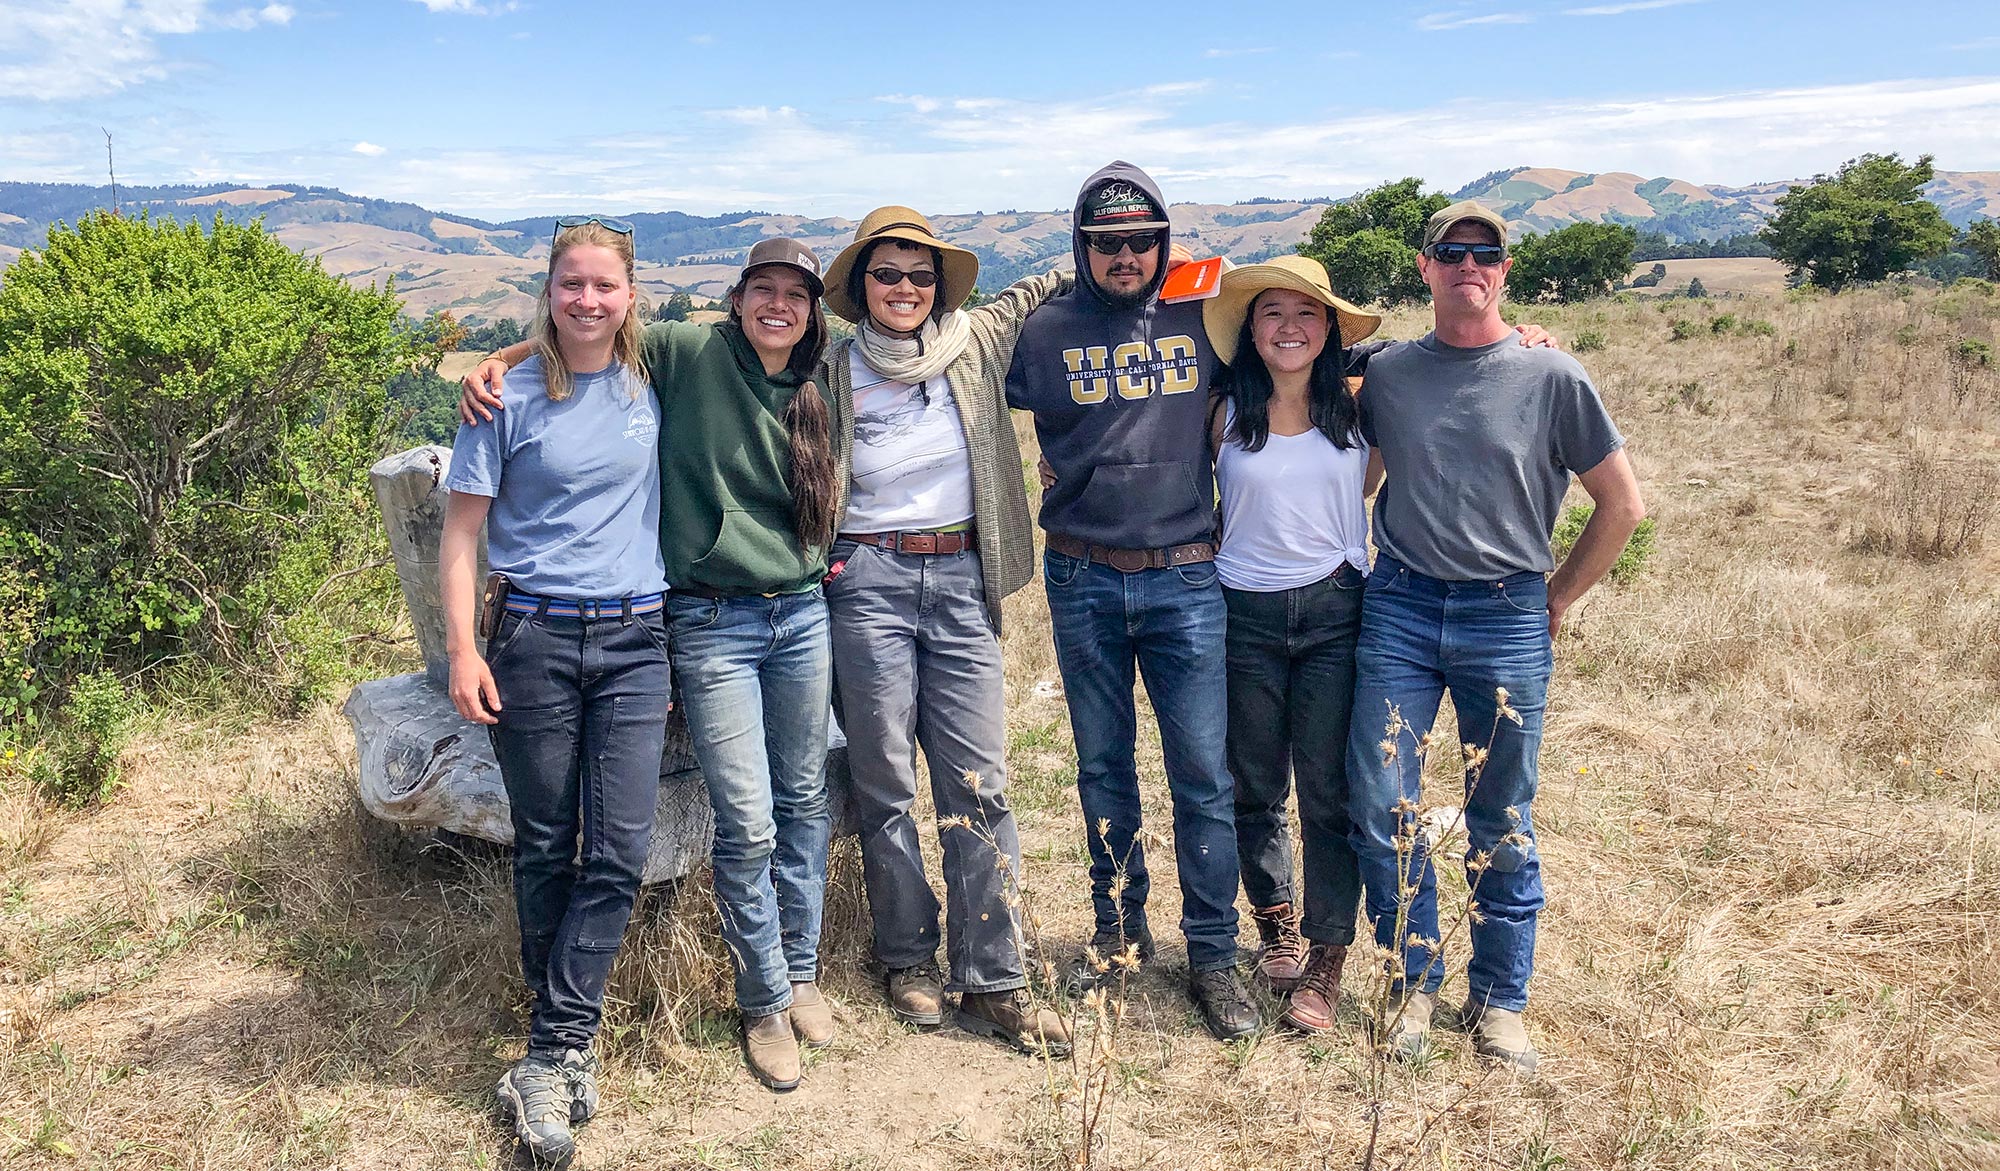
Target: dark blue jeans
<point>582,727</point>
<point>1168,623</point>
<point>1291,689</point>
<point>1419,637</point>
<point>757,690</point>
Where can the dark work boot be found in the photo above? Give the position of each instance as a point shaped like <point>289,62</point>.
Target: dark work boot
<point>1225,1004</point>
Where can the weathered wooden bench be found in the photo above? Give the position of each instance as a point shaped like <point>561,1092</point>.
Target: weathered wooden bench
<point>425,770</point>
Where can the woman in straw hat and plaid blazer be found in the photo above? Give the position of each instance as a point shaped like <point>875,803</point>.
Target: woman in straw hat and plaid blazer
<point>933,533</point>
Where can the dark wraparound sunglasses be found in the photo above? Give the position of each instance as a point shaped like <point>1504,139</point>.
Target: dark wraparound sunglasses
<point>1483,255</point>
<point>887,277</point>
<point>603,221</point>
<point>1112,243</point>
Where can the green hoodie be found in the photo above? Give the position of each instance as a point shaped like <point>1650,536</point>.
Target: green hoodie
<point>725,463</point>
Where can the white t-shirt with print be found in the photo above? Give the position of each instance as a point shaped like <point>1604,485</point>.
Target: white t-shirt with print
<point>911,466</point>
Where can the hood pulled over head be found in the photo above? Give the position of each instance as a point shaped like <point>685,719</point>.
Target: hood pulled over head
<point>1120,172</point>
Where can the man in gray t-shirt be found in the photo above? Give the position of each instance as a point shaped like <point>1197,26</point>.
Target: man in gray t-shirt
<point>1480,437</point>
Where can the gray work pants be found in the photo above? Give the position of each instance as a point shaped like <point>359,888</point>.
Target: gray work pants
<point>915,661</point>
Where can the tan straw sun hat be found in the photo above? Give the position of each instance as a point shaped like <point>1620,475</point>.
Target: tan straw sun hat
<point>1223,314</point>
<point>961,268</point>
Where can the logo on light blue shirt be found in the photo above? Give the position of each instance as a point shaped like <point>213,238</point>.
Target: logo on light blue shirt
<point>641,427</point>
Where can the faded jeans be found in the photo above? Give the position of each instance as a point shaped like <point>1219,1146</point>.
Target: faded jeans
<point>1419,637</point>
<point>755,689</point>
<point>914,656</point>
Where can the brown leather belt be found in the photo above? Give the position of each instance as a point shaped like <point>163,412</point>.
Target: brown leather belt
<point>1133,560</point>
<point>954,542</point>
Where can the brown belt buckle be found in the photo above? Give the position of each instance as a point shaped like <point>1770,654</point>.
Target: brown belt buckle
<point>1127,560</point>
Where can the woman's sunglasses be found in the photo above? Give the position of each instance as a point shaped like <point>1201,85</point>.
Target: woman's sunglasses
<point>1111,244</point>
<point>621,227</point>
<point>889,278</point>
<point>1483,255</point>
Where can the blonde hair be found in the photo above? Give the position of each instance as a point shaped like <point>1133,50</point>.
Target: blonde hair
<point>561,380</point>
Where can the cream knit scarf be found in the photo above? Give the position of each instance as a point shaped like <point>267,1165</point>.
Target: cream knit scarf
<point>915,360</point>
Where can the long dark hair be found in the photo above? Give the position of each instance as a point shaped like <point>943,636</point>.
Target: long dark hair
<point>1247,383</point>
<point>857,277</point>
<point>809,426</point>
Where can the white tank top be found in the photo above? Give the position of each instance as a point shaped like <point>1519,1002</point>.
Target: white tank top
<point>1291,512</point>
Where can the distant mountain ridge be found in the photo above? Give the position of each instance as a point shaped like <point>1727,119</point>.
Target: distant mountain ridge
<point>482,271</point>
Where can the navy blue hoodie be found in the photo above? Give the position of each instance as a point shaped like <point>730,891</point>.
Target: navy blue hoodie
<point>1120,396</point>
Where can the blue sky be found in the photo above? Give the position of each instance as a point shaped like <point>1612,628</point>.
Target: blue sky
<point>496,108</point>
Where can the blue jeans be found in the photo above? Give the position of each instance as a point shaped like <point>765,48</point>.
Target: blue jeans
<point>1170,624</point>
<point>582,728</point>
<point>1420,636</point>
<point>755,687</point>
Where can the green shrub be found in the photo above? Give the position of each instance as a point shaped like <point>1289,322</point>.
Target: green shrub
<point>1589,342</point>
<point>1907,335</point>
<point>1723,324</point>
<point>1972,352</point>
<point>1630,562</point>
<point>1683,329</point>
<point>1754,327</point>
<point>78,762</point>
<point>186,422</point>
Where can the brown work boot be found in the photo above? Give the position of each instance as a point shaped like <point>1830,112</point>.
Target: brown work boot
<point>770,1050</point>
<point>1281,950</point>
<point>916,995</point>
<point>812,1017</point>
<point>1315,1003</point>
<point>1501,1035</point>
<point>1013,1018</point>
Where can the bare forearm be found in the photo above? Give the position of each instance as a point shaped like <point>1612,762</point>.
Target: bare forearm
<point>515,354</point>
<point>1596,550</point>
<point>458,567</point>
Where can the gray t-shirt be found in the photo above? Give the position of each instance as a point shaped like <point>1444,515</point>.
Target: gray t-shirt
<point>575,484</point>
<point>1479,446</point>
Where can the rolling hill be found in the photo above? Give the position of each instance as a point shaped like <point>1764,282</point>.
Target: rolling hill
<point>483,271</point>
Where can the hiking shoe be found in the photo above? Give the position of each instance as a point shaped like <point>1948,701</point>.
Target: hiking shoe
<point>770,1051</point>
<point>916,995</point>
<point>580,1067</point>
<point>1225,1004</point>
<point>1314,1006</point>
<point>1501,1035</point>
<point>535,1093</point>
<point>1115,951</point>
<point>1281,950</point>
<point>1011,1017</point>
<point>1407,1035</point>
<point>812,1016</point>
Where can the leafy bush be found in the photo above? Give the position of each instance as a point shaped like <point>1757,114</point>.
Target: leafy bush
<point>1589,342</point>
<point>1755,327</point>
<point>78,763</point>
<point>186,420</point>
<point>1696,290</point>
<point>1638,549</point>
<point>1972,352</point>
<point>1683,329</point>
<point>1723,324</point>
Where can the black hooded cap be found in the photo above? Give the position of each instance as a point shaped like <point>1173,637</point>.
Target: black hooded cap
<point>1118,169</point>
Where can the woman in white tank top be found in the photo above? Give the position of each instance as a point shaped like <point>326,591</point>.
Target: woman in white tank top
<point>1294,474</point>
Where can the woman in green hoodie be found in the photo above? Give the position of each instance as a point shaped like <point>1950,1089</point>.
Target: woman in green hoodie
<point>747,503</point>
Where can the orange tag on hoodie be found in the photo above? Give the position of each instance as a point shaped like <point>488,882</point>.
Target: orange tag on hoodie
<point>1197,280</point>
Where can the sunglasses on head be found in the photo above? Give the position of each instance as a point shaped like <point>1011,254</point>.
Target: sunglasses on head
<point>603,221</point>
<point>1112,243</point>
<point>1483,255</point>
<point>887,277</point>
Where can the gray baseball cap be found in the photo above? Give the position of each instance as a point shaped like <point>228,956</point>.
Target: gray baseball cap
<point>790,253</point>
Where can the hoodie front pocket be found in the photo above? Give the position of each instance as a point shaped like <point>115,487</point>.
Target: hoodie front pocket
<point>1151,498</point>
<point>754,551</point>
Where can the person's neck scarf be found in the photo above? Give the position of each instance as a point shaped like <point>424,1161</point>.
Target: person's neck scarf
<point>917,359</point>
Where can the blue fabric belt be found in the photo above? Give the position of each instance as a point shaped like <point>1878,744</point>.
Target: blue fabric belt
<point>518,603</point>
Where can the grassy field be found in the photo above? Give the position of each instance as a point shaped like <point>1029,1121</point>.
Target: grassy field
<point>1720,274</point>
<point>1766,817</point>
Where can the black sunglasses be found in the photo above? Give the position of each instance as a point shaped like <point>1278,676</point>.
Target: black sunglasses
<point>603,221</point>
<point>1112,243</point>
<point>922,278</point>
<point>1483,255</point>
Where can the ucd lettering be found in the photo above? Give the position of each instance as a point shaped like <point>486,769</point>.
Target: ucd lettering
<point>1167,364</point>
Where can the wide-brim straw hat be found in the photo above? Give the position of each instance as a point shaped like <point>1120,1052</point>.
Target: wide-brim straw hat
<point>1222,315</point>
<point>955,283</point>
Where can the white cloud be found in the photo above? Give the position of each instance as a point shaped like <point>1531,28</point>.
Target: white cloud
<point>369,149</point>
<point>1212,53</point>
<point>1621,9</point>
<point>470,7</point>
<point>1442,21</point>
<point>61,52</point>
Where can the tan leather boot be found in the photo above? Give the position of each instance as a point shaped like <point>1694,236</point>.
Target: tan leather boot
<point>770,1050</point>
<point>1409,1026</point>
<point>1011,1017</point>
<point>1281,950</point>
<point>1315,1004</point>
<point>812,1016</point>
<point>1501,1035</point>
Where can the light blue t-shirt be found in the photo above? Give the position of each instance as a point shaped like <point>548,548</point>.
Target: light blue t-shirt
<point>575,484</point>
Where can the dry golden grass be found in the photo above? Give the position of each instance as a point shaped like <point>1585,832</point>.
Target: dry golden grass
<point>1766,819</point>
